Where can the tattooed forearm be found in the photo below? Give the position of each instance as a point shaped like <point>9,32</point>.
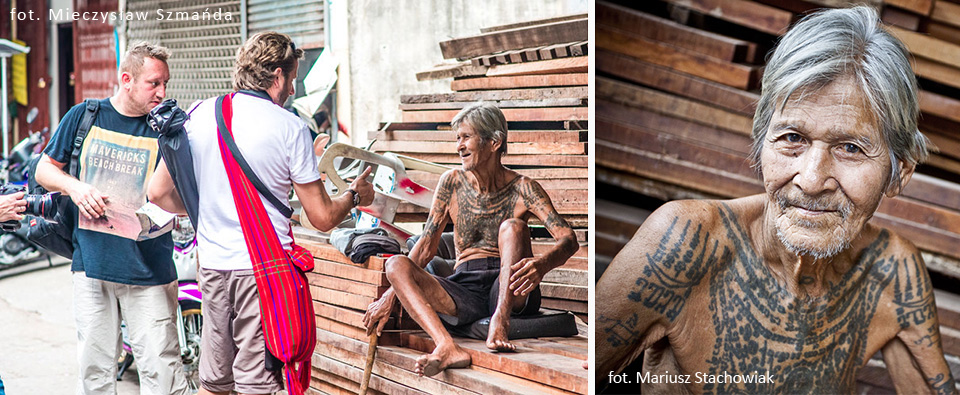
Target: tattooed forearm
<point>620,332</point>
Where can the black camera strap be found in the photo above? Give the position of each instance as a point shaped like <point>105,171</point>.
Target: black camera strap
<point>227,136</point>
<point>89,116</point>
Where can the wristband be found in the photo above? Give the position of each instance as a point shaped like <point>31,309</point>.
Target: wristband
<point>356,197</point>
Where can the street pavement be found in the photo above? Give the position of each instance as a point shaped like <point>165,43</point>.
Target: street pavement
<point>38,339</point>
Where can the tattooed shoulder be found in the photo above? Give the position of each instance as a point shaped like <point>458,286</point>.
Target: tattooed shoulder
<point>679,250</point>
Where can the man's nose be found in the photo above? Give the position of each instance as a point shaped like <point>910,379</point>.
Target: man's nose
<point>162,92</point>
<point>815,173</point>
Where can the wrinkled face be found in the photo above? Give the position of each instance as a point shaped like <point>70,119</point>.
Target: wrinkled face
<point>825,167</point>
<point>472,148</point>
<point>148,89</point>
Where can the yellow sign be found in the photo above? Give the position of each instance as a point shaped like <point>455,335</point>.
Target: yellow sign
<point>19,77</point>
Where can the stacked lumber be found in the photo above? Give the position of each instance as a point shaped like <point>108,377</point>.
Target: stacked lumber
<point>536,72</point>
<point>342,290</point>
<point>676,89</point>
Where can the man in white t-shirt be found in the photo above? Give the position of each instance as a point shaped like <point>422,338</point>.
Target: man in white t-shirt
<point>277,146</point>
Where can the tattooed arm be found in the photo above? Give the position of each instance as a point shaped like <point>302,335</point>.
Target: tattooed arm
<point>378,312</point>
<point>649,282</point>
<point>528,272</point>
<point>426,246</point>
<point>918,341</point>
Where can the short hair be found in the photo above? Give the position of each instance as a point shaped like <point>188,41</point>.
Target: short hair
<point>487,120</point>
<point>260,55</point>
<point>132,61</point>
<point>830,45</point>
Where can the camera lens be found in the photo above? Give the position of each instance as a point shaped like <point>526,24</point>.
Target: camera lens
<point>41,205</point>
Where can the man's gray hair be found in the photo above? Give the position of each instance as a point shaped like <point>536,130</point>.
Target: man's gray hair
<point>839,43</point>
<point>487,120</point>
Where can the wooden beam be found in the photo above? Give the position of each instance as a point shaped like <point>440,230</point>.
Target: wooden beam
<point>732,74</point>
<point>552,370</point>
<point>518,160</point>
<point>451,71</point>
<point>902,19</point>
<point>532,23</point>
<point>939,72</point>
<point>518,38</point>
<point>672,33</point>
<point>745,13</point>
<point>556,66</point>
<point>733,99</point>
<point>513,114</point>
<point>328,252</point>
<point>695,133</point>
<point>524,81</point>
<point>928,47</point>
<point>922,7</point>
<point>512,148</point>
<point>513,136</point>
<point>944,32</point>
<point>457,105</point>
<point>946,12</point>
<point>576,92</point>
<point>939,105</point>
<point>340,298</point>
<point>350,272</point>
<point>637,96</point>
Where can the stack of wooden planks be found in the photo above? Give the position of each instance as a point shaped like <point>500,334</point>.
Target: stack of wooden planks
<point>342,290</point>
<point>676,89</point>
<point>536,72</point>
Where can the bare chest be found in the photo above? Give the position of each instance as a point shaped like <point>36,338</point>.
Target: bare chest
<point>749,325</point>
<point>477,217</point>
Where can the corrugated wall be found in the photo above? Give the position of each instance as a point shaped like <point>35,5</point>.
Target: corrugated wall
<point>302,20</point>
<point>202,50</point>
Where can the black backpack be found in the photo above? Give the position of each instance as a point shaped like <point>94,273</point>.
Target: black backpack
<point>57,235</point>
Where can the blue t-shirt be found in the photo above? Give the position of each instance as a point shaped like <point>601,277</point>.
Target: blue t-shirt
<point>101,255</point>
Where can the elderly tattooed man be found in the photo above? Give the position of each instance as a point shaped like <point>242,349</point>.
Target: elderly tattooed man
<point>791,291</point>
<point>495,272</point>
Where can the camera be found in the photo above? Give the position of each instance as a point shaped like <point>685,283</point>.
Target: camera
<point>37,205</point>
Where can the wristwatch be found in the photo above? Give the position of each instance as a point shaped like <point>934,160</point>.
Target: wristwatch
<point>356,197</point>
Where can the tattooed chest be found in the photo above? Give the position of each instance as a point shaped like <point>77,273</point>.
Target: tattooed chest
<point>478,217</point>
<point>808,345</point>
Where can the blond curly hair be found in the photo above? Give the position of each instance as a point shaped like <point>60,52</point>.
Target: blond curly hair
<point>260,56</point>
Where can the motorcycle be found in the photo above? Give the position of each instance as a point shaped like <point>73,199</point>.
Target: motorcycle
<point>15,248</point>
<point>188,306</point>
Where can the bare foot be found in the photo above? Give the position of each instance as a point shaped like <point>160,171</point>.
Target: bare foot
<point>447,358</point>
<point>497,337</point>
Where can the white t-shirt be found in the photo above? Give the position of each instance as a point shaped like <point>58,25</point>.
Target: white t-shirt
<point>277,146</point>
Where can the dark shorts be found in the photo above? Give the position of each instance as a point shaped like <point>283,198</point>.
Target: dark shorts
<point>474,287</point>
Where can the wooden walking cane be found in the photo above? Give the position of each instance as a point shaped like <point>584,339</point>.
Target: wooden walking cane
<point>368,368</point>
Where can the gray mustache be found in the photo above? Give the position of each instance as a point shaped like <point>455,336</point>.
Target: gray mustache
<point>817,203</point>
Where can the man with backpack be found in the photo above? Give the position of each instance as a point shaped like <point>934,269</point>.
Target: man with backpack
<point>113,273</point>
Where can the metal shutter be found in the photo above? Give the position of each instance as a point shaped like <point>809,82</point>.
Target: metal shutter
<point>203,51</point>
<point>302,20</point>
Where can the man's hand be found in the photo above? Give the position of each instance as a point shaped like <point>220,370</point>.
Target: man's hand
<point>11,206</point>
<point>363,188</point>
<point>378,313</point>
<point>527,274</point>
<point>89,200</point>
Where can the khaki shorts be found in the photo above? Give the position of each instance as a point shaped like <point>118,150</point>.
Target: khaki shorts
<point>232,349</point>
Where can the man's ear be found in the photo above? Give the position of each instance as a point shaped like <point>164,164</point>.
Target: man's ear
<point>276,76</point>
<point>126,78</point>
<point>495,145</point>
<point>906,172</point>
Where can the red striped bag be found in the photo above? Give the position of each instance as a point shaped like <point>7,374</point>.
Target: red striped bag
<point>286,307</point>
